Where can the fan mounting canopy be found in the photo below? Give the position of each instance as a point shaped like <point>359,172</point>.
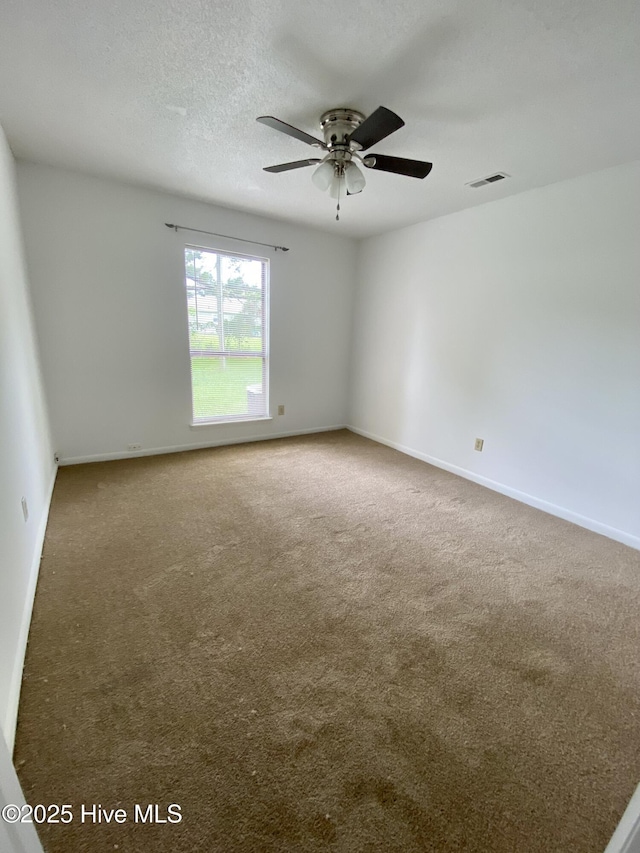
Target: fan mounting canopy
<point>338,125</point>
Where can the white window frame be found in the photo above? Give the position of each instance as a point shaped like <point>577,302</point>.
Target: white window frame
<point>265,355</point>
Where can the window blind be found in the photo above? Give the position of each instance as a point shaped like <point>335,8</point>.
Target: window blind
<point>227,305</point>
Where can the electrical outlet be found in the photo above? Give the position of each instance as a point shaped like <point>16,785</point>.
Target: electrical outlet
<point>281,410</point>
<point>56,457</point>
<point>479,444</point>
<point>25,508</point>
<point>134,446</point>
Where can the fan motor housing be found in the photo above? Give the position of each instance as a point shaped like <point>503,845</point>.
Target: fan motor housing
<point>337,125</point>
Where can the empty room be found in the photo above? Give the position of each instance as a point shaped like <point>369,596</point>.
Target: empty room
<point>320,407</point>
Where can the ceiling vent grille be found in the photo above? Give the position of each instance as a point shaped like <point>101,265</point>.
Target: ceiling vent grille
<point>490,179</point>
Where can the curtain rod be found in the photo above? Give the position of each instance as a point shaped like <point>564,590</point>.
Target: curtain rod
<point>227,236</point>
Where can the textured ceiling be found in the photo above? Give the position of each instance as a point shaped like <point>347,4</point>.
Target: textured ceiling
<point>165,94</point>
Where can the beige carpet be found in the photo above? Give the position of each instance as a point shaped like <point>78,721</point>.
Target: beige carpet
<point>319,644</point>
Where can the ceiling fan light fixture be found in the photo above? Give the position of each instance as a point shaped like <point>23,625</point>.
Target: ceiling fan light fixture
<point>354,179</point>
<point>323,175</point>
<point>336,187</point>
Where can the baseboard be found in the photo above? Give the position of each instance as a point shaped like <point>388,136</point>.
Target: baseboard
<point>179,448</point>
<point>11,718</point>
<point>626,838</point>
<point>531,500</point>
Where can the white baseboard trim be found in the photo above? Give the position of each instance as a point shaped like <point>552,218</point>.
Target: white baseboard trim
<point>559,511</point>
<point>626,838</point>
<point>179,448</point>
<point>11,718</point>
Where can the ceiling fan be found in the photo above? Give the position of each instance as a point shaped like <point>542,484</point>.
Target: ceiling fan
<point>346,133</point>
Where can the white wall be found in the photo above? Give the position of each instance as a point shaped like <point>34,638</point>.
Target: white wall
<point>14,837</point>
<point>26,462</point>
<point>517,322</point>
<point>110,310</point>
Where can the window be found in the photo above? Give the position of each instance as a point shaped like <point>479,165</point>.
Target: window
<point>227,304</point>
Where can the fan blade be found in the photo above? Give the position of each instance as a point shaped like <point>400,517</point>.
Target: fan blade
<point>283,127</point>
<point>298,164</point>
<point>398,165</point>
<point>379,124</point>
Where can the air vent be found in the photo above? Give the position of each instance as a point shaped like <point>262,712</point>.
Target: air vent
<point>490,179</point>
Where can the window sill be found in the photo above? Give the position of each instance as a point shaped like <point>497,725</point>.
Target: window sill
<point>198,424</point>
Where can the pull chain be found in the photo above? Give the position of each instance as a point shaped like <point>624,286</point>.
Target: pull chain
<point>338,206</point>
